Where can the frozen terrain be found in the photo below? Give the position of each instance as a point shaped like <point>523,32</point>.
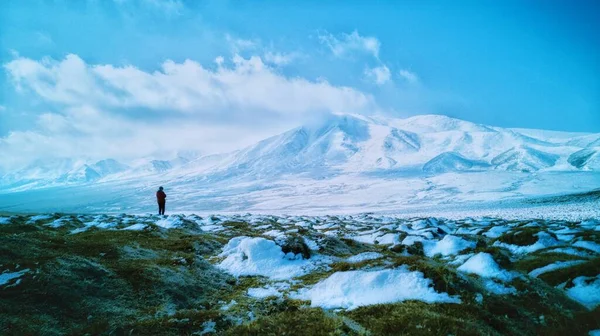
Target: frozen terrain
<point>341,164</point>
<point>271,275</point>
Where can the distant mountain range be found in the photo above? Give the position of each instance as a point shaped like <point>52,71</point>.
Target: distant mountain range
<point>341,144</point>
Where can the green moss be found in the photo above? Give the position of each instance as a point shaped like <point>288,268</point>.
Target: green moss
<point>310,279</point>
<point>91,279</point>
<point>498,315</point>
<point>419,318</point>
<point>567,275</point>
<point>444,279</point>
<point>341,247</point>
<point>344,266</point>
<point>183,322</point>
<point>416,249</point>
<point>522,237</point>
<point>534,261</point>
<point>158,281</point>
<point>593,236</point>
<point>307,321</point>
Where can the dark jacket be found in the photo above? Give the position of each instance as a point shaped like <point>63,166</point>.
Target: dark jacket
<point>161,196</point>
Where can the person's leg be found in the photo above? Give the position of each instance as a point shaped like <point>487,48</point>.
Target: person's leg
<point>159,208</point>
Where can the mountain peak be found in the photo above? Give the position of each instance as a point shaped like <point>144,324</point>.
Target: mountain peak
<point>441,123</point>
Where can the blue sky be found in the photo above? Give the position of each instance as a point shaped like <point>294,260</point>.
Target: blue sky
<point>104,74</point>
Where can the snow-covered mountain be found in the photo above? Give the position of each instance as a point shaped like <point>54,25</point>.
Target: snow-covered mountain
<point>341,162</point>
<point>352,143</point>
<point>587,158</point>
<point>431,144</point>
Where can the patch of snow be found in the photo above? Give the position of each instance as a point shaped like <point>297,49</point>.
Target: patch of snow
<point>420,224</point>
<point>4,220</point>
<point>7,276</point>
<point>36,218</point>
<point>364,256</point>
<point>79,230</point>
<point>261,293</point>
<point>229,305</point>
<point>274,233</point>
<point>544,240</point>
<point>460,259</point>
<point>353,289</point>
<point>570,251</point>
<point>588,245</point>
<point>57,223</point>
<point>468,231</point>
<point>269,290</point>
<point>312,245</point>
<point>496,231</point>
<point>209,327</point>
<point>410,240</point>
<point>212,228</point>
<point>586,291</point>
<point>136,227</point>
<point>303,224</point>
<point>209,225</point>
<point>588,224</point>
<point>484,265</point>
<point>98,222</point>
<point>497,288</point>
<point>554,266</point>
<point>366,238</point>
<point>565,237</point>
<point>565,230</point>
<point>260,256</point>
<point>594,332</point>
<point>169,222</point>
<point>388,239</point>
<point>450,245</point>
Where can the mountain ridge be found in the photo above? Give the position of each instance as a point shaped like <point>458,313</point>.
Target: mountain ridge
<point>345,143</point>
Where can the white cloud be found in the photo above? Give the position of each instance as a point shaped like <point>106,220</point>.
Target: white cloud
<point>239,45</point>
<point>124,112</point>
<point>378,75</point>
<point>280,59</point>
<point>345,44</point>
<point>188,87</point>
<point>408,76</point>
<point>242,46</point>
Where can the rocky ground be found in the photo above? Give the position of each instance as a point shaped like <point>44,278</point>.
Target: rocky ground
<point>283,275</point>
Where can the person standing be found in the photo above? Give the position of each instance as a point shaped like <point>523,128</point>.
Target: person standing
<point>161,198</point>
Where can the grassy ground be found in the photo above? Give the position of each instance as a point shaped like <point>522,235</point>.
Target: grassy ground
<point>164,282</point>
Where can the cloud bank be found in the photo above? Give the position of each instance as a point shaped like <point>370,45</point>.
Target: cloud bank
<point>104,110</point>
